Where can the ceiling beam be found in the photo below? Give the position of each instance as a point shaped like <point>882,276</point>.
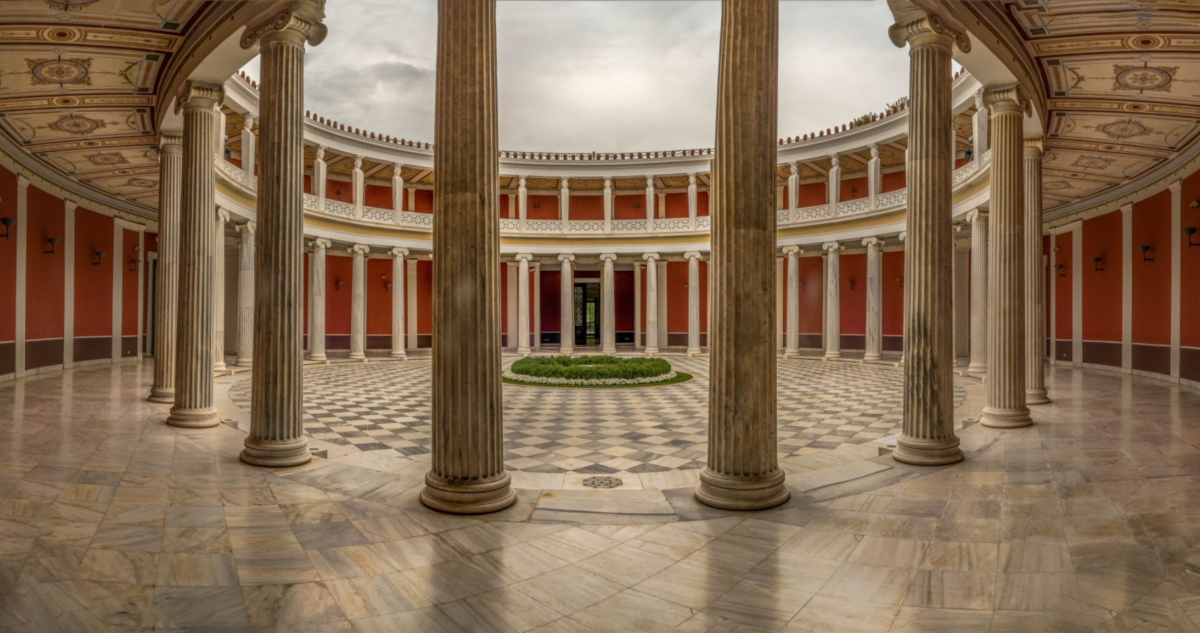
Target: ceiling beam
<point>815,167</point>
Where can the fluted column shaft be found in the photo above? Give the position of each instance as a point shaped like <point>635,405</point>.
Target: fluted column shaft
<point>398,272</point>
<point>651,303</point>
<point>467,473</point>
<point>1035,281</point>
<point>218,302</point>
<point>246,273</point>
<point>928,428</point>
<point>693,258</point>
<point>194,334</point>
<point>316,315</point>
<point>1006,406</point>
<point>979,291</point>
<point>874,299</point>
<point>166,304</point>
<point>792,345</point>
<point>567,305</point>
<point>608,312</point>
<point>743,469</point>
<point>276,427</point>
<point>523,302</point>
<point>833,300</point>
<point>358,302</point>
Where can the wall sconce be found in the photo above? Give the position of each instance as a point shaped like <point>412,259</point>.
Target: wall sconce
<point>636,206</point>
<point>135,263</point>
<point>387,287</point>
<point>1059,268</point>
<point>337,285</point>
<point>1057,248</point>
<point>1189,231</point>
<point>99,255</point>
<point>51,241</point>
<point>1145,248</point>
<point>900,281</point>
<point>1096,262</point>
<point>339,194</point>
<point>537,206</point>
<point>7,222</point>
<point>851,284</point>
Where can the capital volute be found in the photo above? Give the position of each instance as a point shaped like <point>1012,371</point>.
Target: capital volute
<point>198,96</point>
<point>360,249</point>
<point>566,258</point>
<point>1007,99</point>
<point>321,243</point>
<point>524,257</point>
<point>399,252</point>
<point>300,20</point>
<point>831,247</point>
<point>871,242</point>
<point>976,215</point>
<point>608,257</point>
<point>222,215</point>
<point>650,257</point>
<point>903,235</point>
<point>247,228</point>
<point>693,255</point>
<point>792,250</point>
<point>923,28</point>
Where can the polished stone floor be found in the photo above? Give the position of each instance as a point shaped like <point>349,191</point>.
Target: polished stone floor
<point>112,521</point>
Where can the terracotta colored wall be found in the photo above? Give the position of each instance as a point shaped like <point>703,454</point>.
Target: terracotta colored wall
<point>587,208</point>
<point>8,258</point>
<point>129,282</point>
<point>551,301</point>
<point>1152,280</point>
<point>306,287</point>
<point>379,299</point>
<point>893,293</point>
<point>307,183</point>
<point>378,196</point>
<point>93,284</point>
<point>424,297</point>
<point>704,296</point>
<point>622,300</point>
<point>548,209</point>
<point>332,187</point>
<point>812,194</point>
<point>623,207</point>
<point>677,205</point>
<point>503,298</point>
<point>1102,289</point>
<point>1189,309</point>
<point>853,189</point>
<point>424,200</point>
<point>702,203</point>
<point>151,240</point>
<point>893,182</point>
<point>853,312</point>
<point>45,272</point>
<point>1048,281</point>
<point>641,318</point>
<point>677,297</point>
<point>812,295</point>
<point>1062,285</point>
<point>337,302</point>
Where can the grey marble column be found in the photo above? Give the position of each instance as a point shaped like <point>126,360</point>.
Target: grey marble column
<point>316,289</point>
<point>467,473</point>
<point>743,468</point>
<point>928,428</point>
<point>874,299</point>
<point>651,303</point>
<point>245,324</point>
<point>979,291</point>
<point>792,347</point>
<point>566,299</point>
<point>397,290</point>
<point>1006,406</point>
<point>833,300</point>
<point>358,302</point>
<point>194,334</point>
<point>608,313</point>
<point>523,303</point>
<point>276,415</point>
<point>166,283</point>
<point>1035,280</point>
<point>218,303</point>
<point>693,258</point>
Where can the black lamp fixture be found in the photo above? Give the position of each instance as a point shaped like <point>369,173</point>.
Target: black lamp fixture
<point>1059,268</point>
<point>1096,262</point>
<point>900,280</point>
<point>7,222</point>
<point>1145,248</point>
<point>850,283</point>
<point>387,286</point>
<point>51,241</point>
<point>135,263</point>
<point>337,285</point>
<point>1189,231</point>
<point>99,255</point>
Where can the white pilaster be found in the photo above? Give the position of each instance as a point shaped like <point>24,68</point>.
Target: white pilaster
<point>650,205</point>
<point>218,267</point>
<point>1077,296</point>
<point>22,270</point>
<point>979,291</point>
<point>1054,299</point>
<point>608,312</point>
<point>792,348</point>
<point>522,203</point>
<point>874,299</point>
<point>118,268</point>
<point>608,204</point>
<point>523,303</point>
<point>397,190</point>
<point>793,189</point>
<point>1176,274</point>
<point>397,290</point>
<point>412,199</point>
<point>358,302</point>
<point>512,206</point>
<point>1126,289</point>
<point>692,201</point>
<point>316,293</point>
<point>246,272</point>
<point>835,184</point>
<point>660,209</point>
<point>69,284</point>
<point>358,182</point>
<point>319,176</point>
<point>564,202</point>
<point>651,297</point>
<point>833,291</point>
<point>567,305</point>
<point>142,258</point>
<point>410,304</point>
<point>693,258</point>
<point>248,148</point>
<point>874,176</point>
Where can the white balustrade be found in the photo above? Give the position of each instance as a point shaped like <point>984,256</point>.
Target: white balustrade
<point>373,214</point>
<point>891,199</point>
<point>585,226</point>
<point>337,207</point>
<point>862,205</point>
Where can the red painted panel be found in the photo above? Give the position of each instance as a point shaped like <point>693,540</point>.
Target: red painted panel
<point>812,194</point>
<point>811,295</point>
<point>379,298</point>
<point>892,269</point>
<point>704,296</point>
<point>504,298</point>
<point>893,181</point>
<point>424,297</point>
<point>337,300</point>
<point>93,284</point>
<point>339,190</point>
<point>853,304</point>
<point>677,205</point>
<point>151,240</point>
<point>587,208</point>
<point>702,203</point>
<point>44,272</point>
<point>677,297</point>
<point>853,189</point>
<point>622,300</point>
<point>623,207</point>
<point>1152,280</point>
<point>959,162</point>
<point>1048,281</point>
<point>1189,309</point>
<point>783,283</point>
<point>424,200</point>
<point>1102,288</point>
<point>8,258</point>
<point>641,318</point>
<point>129,285</point>
<point>1062,285</point>
<point>541,208</point>
<point>307,184</point>
<point>551,301</point>
<point>306,287</point>
<point>378,196</point>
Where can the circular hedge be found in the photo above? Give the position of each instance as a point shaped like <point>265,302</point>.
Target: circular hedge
<point>589,371</point>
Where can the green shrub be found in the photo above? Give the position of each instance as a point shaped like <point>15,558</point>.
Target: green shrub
<point>590,367</point>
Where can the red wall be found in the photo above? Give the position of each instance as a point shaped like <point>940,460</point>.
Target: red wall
<point>623,207</point>
<point>45,272</point>
<point>1102,289</point>
<point>812,294</point>
<point>677,297</point>
<point>1062,285</point>
<point>551,301</point>
<point>853,189</point>
<point>587,207</point>
<point>337,302</point>
<point>893,293</point>
<point>148,281</point>
<point>307,183</point>
<point>701,203</point>
<point>812,194</point>
<point>622,300</point>
<point>853,304</point>
<point>548,209</point>
<point>424,297</point>
<point>1152,280</point>
<point>378,196</point>
<point>424,200</point>
<point>1189,309</point>
<point>379,299</point>
<point>93,284</point>
<point>677,205</point>
<point>129,282</point>
<point>332,187</point>
<point>893,181</point>
<point>8,258</point>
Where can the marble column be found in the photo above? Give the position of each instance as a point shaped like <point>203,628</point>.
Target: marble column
<point>1006,406</point>
<point>650,203</point>
<point>316,290</point>
<point>874,299</point>
<point>608,309</point>
<point>979,291</point>
<point>693,258</point>
<point>928,424</point>
<point>792,347</point>
<point>743,468</point>
<point>358,302</point>
<point>833,301</point>
<point>874,176</point>
<point>564,203</point>
<point>467,473</point>
<point>522,203</point>
<point>218,302</point>
<point>692,198</point>
<point>523,303</point>
<point>608,204</point>
<point>397,290</point>
<point>194,309</point>
<point>1035,278</point>
<point>276,415</point>
<point>245,324</point>
<point>567,305</point>
<point>651,303</point>
<point>793,189</point>
<point>166,283</point>
<point>319,179</point>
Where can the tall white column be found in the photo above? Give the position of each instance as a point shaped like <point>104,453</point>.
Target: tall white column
<point>142,258</point>
<point>979,126</point>
<point>567,305</point>
<point>962,302</point>
<point>608,204</point>
<point>564,203</point>
<point>397,190</point>
<point>780,302</point>
<point>22,270</point>
<point>692,201</point>
<point>660,208</point>
<point>1176,274</point>
<point>874,176</point>
<point>1126,292</point>
<point>68,246</point>
<point>1035,277</point>
<point>537,306</point>
<point>793,188</point>
<point>523,303</point>
<point>874,299</point>
<point>979,291</point>
<point>248,148</point>
<point>218,268</point>
<point>693,258</point>
<point>651,303</point>
<point>245,325</point>
<point>410,304</point>
<point>397,290</point>
<point>650,204</point>
<point>833,294</point>
<point>792,348</point>
<point>835,184</point>
<point>316,293</point>
<point>1076,295</point>
<point>522,203</point>
<point>319,177</point>
<point>637,304</point>
<point>358,184</point>
<point>608,313</point>
<point>118,277</point>
<point>358,303</point>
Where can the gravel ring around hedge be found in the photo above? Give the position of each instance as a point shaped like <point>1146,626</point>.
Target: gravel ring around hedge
<point>592,369</point>
<point>585,382</point>
<point>680,377</point>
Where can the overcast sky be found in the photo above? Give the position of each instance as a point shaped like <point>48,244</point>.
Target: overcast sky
<point>602,75</point>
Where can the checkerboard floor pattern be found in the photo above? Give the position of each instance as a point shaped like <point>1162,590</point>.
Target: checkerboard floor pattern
<point>377,406</point>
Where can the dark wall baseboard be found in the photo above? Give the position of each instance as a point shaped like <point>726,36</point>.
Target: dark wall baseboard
<point>8,357</point>
<point>92,348</point>
<point>1102,353</point>
<point>1189,363</point>
<point>1152,358</point>
<point>129,346</point>
<point>46,353</point>
<point>853,341</point>
<point>1062,351</point>
<point>893,343</point>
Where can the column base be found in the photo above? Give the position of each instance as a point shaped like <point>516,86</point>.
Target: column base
<point>980,370</point>
<point>357,356</point>
<point>1005,418</point>
<point>1037,396</point>
<point>399,355</point>
<point>609,351</point>
<point>491,496</point>
<point>742,493</point>
<point>693,351</point>
<point>869,356</point>
<point>791,353</point>
<point>276,454</point>
<point>566,352</point>
<point>318,358</point>
<point>244,362</point>
<point>651,351</point>
<point>920,452</point>
<point>193,418</point>
<point>220,367</point>
<point>832,355</point>
<point>524,351</point>
<point>164,395</point>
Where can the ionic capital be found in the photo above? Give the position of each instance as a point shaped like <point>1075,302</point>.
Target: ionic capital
<point>692,255</point>
<point>248,121</point>
<point>650,257</point>
<point>521,182</point>
<point>170,143</point>
<point>831,247</point>
<point>1007,99</point>
<point>872,242</point>
<point>524,257</point>
<point>874,151</point>
<point>835,162</point>
<point>321,152</point>
<point>399,252</point>
<point>608,257</point>
<point>1176,187</point>
<point>691,180</point>
<point>396,167</point>
<point>649,182</point>
<point>794,168</point>
<point>199,96</point>
<point>975,215</point>
<point>321,243</point>
<point>928,28</point>
<point>222,215</point>
<point>360,249</point>
<point>1126,209</point>
<point>22,182</point>
<point>298,20</point>
<point>246,228</point>
<point>1034,146</point>
<point>608,182</point>
<point>903,234</point>
<point>566,258</point>
<point>792,250</point>
<point>358,163</point>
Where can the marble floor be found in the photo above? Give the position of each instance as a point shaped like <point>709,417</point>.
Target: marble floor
<point>112,521</point>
